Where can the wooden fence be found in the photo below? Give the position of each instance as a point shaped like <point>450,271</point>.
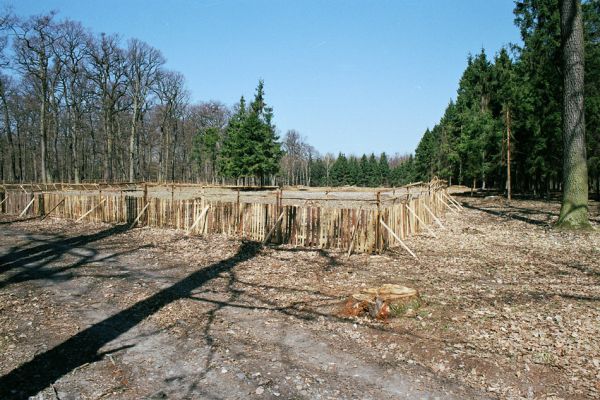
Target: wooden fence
<point>353,220</point>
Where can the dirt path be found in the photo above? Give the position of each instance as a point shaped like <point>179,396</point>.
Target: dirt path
<point>103,312</point>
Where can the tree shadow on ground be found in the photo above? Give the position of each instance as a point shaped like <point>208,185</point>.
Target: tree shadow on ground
<point>61,273</point>
<point>14,221</point>
<point>331,260</point>
<point>82,348</point>
<point>51,250</point>
<point>505,214</point>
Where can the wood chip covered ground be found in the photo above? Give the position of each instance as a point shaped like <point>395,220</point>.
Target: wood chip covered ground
<point>509,309</point>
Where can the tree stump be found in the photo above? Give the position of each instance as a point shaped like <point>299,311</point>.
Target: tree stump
<point>382,302</point>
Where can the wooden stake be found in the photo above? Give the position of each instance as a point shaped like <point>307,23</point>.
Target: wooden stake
<point>436,219</point>
<point>5,197</point>
<point>354,230</point>
<point>93,208</point>
<point>398,239</point>
<point>198,219</point>
<point>54,208</point>
<point>421,221</point>
<point>273,228</point>
<point>27,207</point>
<point>139,216</point>
<point>446,204</point>
<point>452,201</point>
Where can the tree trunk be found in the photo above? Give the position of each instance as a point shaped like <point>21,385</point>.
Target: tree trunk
<point>132,138</point>
<point>574,210</point>
<point>11,147</point>
<point>44,140</point>
<point>508,182</point>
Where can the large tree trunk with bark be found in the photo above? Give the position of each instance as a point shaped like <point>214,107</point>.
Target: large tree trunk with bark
<point>574,210</point>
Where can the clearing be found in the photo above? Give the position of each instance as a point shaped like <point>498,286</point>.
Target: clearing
<point>511,310</point>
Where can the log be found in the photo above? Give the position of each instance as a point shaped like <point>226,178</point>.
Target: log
<point>93,208</point>
<point>398,239</point>
<point>27,207</point>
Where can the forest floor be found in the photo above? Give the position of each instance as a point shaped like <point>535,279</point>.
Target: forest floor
<point>511,309</point>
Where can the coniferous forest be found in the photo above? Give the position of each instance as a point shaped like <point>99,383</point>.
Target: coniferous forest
<point>79,106</point>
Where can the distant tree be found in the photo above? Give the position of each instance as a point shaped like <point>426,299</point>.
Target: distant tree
<point>353,171</point>
<point>34,54</point>
<point>373,171</point>
<point>365,171</point>
<point>383,170</point>
<point>230,164</point>
<point>142,72</point>
<point>107,70</point>
<point>340,174</point>
<point>251,147</point>
<point>318,173</point>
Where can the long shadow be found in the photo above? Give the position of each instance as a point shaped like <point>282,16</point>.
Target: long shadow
<point>332,261</point>
<point>63,273</point>
<point>53,249</point>
<point>507,215</point>
<point>14,221</point>
<point>46,368</point>
<point>583,268</point>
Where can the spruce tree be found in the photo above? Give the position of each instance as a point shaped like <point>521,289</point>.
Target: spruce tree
<point>339,171</point>
<point>251,147</point>
<point>384,170</point>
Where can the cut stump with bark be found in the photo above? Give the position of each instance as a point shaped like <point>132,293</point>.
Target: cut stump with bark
<point>382,302</point>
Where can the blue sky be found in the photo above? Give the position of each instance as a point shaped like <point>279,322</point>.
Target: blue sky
<point>350,76</point>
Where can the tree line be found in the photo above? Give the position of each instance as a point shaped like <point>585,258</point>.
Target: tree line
<point>79,106</point>
<point>508,110</point>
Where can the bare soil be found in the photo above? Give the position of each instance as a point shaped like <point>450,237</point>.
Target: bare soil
<point>511,310</point>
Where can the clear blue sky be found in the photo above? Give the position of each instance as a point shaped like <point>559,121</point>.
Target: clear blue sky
<point>350,76</point>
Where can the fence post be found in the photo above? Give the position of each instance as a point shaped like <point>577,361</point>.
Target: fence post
<point>145,218</point>
<point>239,214</point>
<point>378,238</point>
<point>102,208</point>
